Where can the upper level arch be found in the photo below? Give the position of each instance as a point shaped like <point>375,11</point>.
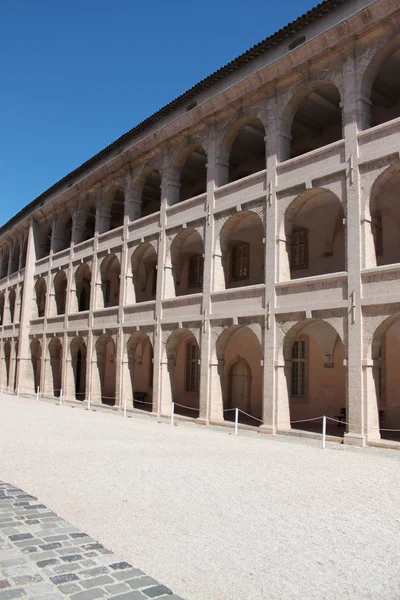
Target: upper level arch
<point>385,218</point>
<point>241,244</point>
<point>83,278</point>
<point>43,238</point>
<point>15,257</point>
<point>85,220</point>
<point>112,209</point>
<point>62,236</point>
<point>381,85</point>
<point>315,235</point>
<point>5,259</point>
<point>242,150</point>
<point>150,191</point>
<point>110,273</point>
<point>188,174</point>
<point>312,119</point>
<point>40,294</point>
<point>144,273</point>
<point>187,259</point>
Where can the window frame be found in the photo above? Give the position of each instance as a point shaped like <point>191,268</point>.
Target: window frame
<point>302,247</point>
<point>192,367</point>
<point>240,273</point>
<point>299,368</point>
<point>195,272</point>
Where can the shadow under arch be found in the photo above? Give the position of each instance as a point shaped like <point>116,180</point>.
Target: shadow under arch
<point>140,367</point>
<point>313,227</point>
<point>237,375</point>
<point>312,382</point>
<point>242,150</point>
<point>312,119</point>
<point>183,355</point>
<point>381,86</point>
<point>241,244</point>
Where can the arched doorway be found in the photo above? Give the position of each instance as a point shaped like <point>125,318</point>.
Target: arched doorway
<point>36,358</point>
<point>240,386</point>
<point>242,151</point>
<point>144,273</point>
<point>77,381</point>
<point>83,277</point>
<point>55,354</point>
<point>138,381</point>
<point>105,377</point>
<point>315,374</point>
<point>7,363</point>
<point>187,252</point>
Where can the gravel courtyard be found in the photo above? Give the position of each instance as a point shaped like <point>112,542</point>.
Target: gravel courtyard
<point>212,516</point>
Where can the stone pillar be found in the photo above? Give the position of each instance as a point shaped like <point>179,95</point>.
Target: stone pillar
<point>221,172</point>
<point>270,275</point>
<point>371,377</point>
<point>356,434</point>
<point>166,376</point>
<point>216,410</point>
<point>282,373</point>
<point>174,188</point>
<point>158,391</point>
<point>205,332</point>
<point>25,378</point>
<point>6,314</point>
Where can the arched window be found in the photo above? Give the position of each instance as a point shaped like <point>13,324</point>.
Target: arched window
<point>299,369</point>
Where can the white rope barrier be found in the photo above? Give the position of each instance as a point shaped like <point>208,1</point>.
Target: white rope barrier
<point>188,407</point>
<point>251,416</point>
<point>306,420</point>
<point>141,402</point>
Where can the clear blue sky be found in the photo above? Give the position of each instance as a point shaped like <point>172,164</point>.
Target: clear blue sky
<point>77,74</point>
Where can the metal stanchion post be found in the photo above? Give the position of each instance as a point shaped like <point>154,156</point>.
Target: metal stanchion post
<point>236,420</point>
<point>172,413</point>
<point>323,432</point>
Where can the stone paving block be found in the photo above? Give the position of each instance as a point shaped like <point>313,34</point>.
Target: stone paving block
<point>142,582</point>
<point>4,584</point>
<point>20,536</point>
<point>51,546</point>
<point>67,567</point>
<point>55,538</point>
<point>97,581</point>
<point>128,574</point>
<point>47,563</point>
<point>9,594</point>
<point>69,588</point>
<point>117,588</point>
<point>89,594</point>
<point>71,557</point>
<point>156,591</point>
<point>94,572</point>
<point>64,578</point>
<point>130,596</point>
<point>25,579</point>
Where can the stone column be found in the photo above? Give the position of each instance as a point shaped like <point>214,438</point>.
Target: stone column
<point>166,376</point>
<point>216,410</point>
<point>371,377</point>
<point>6,314</point>
<point>205,335</point>
<point>158,387</point>
<point>356,434</point>
<point>25,378</point>
<point>282,373</point>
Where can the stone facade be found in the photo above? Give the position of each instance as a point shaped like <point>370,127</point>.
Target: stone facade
<point>244,252</point>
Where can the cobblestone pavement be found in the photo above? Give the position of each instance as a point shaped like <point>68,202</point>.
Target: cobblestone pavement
<point>43,557</point>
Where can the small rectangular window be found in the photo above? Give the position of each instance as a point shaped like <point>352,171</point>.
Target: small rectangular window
<point>191,367</point>
<point>378,236</point>
<point>299,250</point>
<point>107,288</point>
<point>196,264</point>
<point>299,369</point>
<point>240,262</point>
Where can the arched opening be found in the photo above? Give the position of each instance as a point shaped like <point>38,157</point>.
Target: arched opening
<point>315,235</point>
<point>144,273</point>
<point>151,194</point>
<point>237,382</point>
<point>83,277</point>
<point>187,258</point>
<point>55,353</point>
<point>85,221</point>
<point>43,238</point>
<point>384,386</point>
<point>105,379</point>
<point>385,218</point>
<point>2,302</point>
<point>5,259</point>
<point>242,151</point>
<point>36,359</point>
<point>242,251</point>
<point>183,354</point>
<point>110,271</point>
<point>315,375</point>
<point>78,361</point>
<point>40,293</point>
<point>14,263</point>
<point>113,210</point>
<point>63,233</point>
<point>11,304</point>
<point>7,363</point>
<point>381,85</point>
<point>60,292</point>
<point>193,174</point>
<point>312,120</point>
<point>140,368</point>
<point>15,363</point>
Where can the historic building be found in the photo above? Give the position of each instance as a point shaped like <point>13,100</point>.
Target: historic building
<point>239,248</point>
